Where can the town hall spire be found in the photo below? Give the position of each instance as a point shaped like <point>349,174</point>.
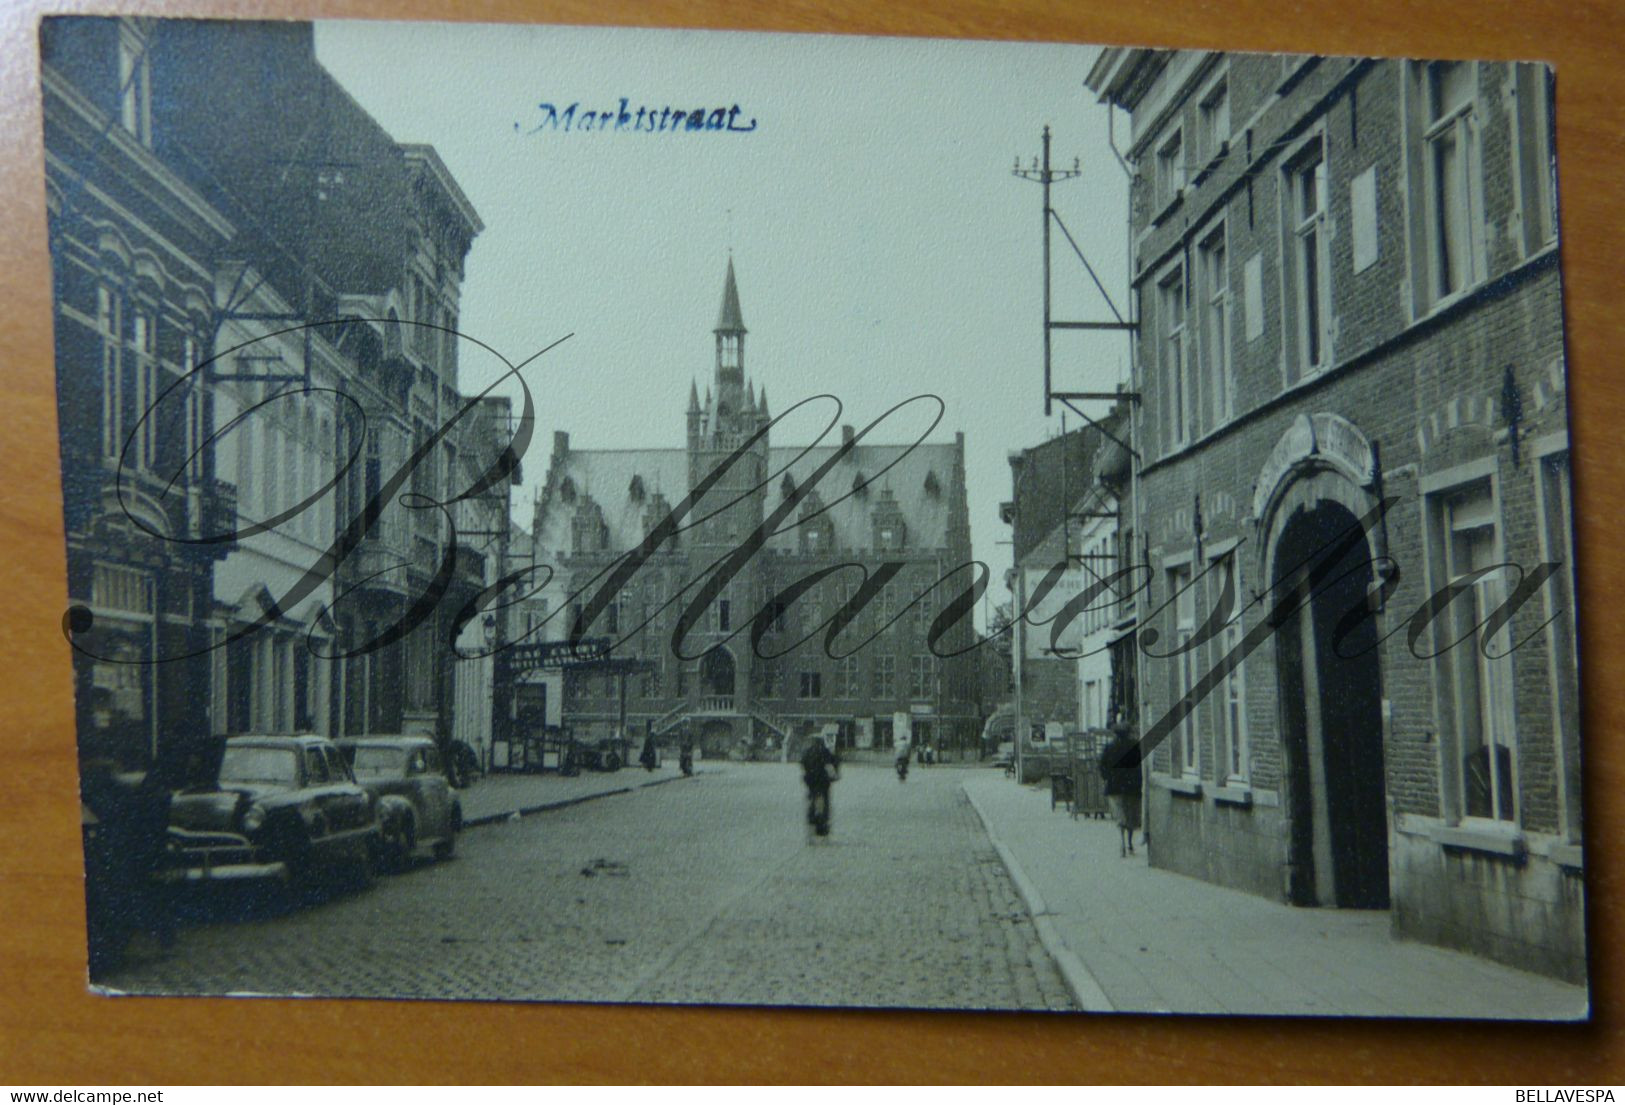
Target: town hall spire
<point>730,332</point>
<point>729,320</point>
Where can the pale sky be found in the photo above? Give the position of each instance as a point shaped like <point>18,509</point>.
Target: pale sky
<point>882,247</point>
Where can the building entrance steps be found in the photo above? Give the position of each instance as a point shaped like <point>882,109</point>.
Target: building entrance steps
<point>1132,938</point>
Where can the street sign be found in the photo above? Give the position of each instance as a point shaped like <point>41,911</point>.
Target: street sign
<point>554,654</point>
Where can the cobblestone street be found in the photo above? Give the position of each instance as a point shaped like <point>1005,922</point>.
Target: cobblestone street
<point>702,890</point>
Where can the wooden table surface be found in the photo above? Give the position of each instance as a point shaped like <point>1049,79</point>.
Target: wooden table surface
<point>53,1032</point>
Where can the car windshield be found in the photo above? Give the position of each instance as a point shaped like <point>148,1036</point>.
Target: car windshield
<point>378,763</point>
<point>259,764</point>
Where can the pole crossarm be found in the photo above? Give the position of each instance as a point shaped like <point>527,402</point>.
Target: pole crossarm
<point>1087,396</point>
<point>1067,397</point>
<point>1104,294</point>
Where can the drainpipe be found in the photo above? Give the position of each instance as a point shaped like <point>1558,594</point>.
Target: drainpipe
<point>1135,417</point>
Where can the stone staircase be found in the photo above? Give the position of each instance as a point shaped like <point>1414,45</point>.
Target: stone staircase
<point>668,720</point>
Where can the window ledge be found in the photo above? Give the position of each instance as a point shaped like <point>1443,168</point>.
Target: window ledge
<point>1441,304</point>
<point>1298,72</point>
<point>1567,855</point>
<point>1212,163</point>
<point>1234,794</point>
<point>1493,840</point>
<point>1167,210</point>
<point>1189,788</point>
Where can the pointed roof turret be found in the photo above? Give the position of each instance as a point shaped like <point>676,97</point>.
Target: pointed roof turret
<point>729,320</point>
<point>761,404</point>
<point>693,397</point>
<point>750,395</point>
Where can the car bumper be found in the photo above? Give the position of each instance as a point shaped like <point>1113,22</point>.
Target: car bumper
<point>216,857</point>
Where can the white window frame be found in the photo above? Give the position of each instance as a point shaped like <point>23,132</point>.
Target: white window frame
<point>1170,171</point>
<point>143,348</point>
<point>1215,323</point>
<point>850,676</point>
<point>196,431</point>
<point>134,83</point>
<point>109,320</point>
<point>1178,574</point>
<point>1477,704</point>
<point>1173,355</point>
<point>1300,289</point>
<point>922,676</point>
<point>1213,121</point>
<point>1556,526</point>
<point>1459,124</point>
<point>886,676</point>
<point>1534,167</point>
<point>1235,745</point>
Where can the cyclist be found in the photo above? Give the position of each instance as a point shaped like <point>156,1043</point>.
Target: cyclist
<point>820,767</point>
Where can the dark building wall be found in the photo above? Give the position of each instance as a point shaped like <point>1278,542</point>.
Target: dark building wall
<point>131,245</point>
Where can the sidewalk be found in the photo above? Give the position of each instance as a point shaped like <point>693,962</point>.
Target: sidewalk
<point>1133,938</point>
<point>500,796</point>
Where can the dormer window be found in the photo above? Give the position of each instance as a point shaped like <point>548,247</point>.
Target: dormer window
<point>817,532</point>
<point>890,530</point>
<point>589,532</point>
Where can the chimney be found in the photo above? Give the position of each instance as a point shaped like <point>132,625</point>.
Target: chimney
<point>846,434</point>
<point>561,442</point>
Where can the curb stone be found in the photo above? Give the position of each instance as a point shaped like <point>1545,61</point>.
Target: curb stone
<point>1085,990</point>
<point>562,803</point>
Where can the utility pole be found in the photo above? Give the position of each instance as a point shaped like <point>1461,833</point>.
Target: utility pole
<point>1046,176</point>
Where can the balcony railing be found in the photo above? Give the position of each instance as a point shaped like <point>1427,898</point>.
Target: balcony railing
<point>716,704</point>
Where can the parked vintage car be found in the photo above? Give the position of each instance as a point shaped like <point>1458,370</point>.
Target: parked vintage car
<point>284,807</point>
<point>413,794</point>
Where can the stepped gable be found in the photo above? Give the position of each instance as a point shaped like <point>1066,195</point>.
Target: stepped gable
<point>925,514</point>
<point>605,476</point>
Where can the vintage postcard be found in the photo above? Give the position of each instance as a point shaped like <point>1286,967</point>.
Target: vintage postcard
<point>584,514</point>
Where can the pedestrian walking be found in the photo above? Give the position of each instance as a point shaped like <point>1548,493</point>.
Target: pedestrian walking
<point>648,757</point>
<point>820,767</point>
<point>1120,767</point>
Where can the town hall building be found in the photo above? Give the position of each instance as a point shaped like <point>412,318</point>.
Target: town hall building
<point>864,529</point>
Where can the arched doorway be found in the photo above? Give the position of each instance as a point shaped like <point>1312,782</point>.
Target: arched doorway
<point>1330,702</point>
<point>717,672</point>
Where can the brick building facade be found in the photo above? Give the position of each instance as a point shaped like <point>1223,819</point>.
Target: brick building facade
<point>242,255</point>
<point>1349,308</point>
<point>1069,512</point>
